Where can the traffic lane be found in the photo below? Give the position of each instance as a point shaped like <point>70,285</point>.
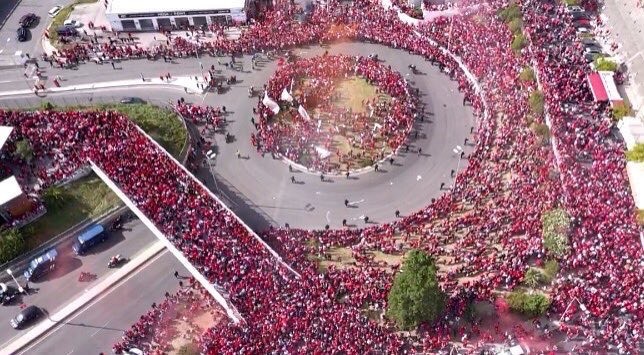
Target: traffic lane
<point>8,30</point>
<point>96,327</point>
<point>6,9</point>
<point>62,286</point>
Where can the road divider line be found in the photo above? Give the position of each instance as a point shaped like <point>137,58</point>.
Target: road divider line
<point>82,300</point>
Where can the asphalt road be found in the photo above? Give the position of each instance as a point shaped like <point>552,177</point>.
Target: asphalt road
<point>10,13</point>
<point>97,326</point>
<point>62,286</point>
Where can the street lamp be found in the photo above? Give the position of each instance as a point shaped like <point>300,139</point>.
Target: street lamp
<point>20,289</point>
<point>458,150</point>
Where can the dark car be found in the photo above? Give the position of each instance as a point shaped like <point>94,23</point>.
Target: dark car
<point>590,57</point>
<point>7,293</point>
<point>589,42</point>
<point>41,265</point>
<point>132,100</point>
<point>25,317</point>
<point>91,236</point>
<point>580,16</point>
<point>22,34</point>
<point>66,31</point>
<point>581,23</point>
<point>28,20</point>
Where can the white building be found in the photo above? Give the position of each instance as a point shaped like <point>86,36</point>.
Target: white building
<point>152,15</point>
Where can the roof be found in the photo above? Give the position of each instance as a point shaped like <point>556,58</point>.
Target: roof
<point>635,173</point>
<point>5,131</point>
<point>603,87</point>
<point>148,6</point>
<point>597,87</point>
<point>9,189</point>
<point>90,232</point>
<point>49,255</point>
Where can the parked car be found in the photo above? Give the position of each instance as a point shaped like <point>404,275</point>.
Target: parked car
<point>22,34</point>
<point>590,57</point>
<point>7,293</point>
<point>589,42</point>
<point>54,11</point>
<point>72,23</point>
<point>26,316</point>
<point>574,9</point>
<point>41,265</point>
<point>66,31</point>
<point>582,23</point>
<point>88,238</point>
<point>593,49</point>
<point>28,20</point>
<point>132,100</point>
<point>580,16</point>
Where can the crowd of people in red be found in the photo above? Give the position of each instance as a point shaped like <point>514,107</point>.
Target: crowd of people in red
<point>374,133</point>
<point>488,226</point>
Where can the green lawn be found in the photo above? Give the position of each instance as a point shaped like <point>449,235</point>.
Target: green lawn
<point>88,197</point>
<point>353,92</point>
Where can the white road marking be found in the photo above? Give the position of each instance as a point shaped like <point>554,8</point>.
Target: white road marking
<point>356,202</point>
<point>418,177</point>
<point>328,220</point>
<point>99,329</point>
<point>70,352</point>
<point>391,182</point>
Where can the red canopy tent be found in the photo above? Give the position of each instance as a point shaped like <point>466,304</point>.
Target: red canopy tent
<point>603,87</point>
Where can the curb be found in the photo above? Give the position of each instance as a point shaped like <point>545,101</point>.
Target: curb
<point>83,299</point>
<point>19,264</point>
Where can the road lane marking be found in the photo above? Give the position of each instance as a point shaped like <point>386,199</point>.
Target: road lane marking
<point>328,220</point>
<point>81,310</point>
<point>101,328</point>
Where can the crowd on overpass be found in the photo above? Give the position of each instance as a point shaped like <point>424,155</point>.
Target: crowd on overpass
<point>488,226</point>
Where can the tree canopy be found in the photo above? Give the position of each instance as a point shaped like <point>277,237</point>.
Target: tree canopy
<point>555,225</point>
<point>415,296</point>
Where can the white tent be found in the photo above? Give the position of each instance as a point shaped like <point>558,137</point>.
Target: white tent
<point>635,173</point>
<point>9,189</point>
<point>271,104</point>
<point>5,131</point>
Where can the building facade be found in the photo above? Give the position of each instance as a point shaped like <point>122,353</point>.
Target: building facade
<point>155,15</point>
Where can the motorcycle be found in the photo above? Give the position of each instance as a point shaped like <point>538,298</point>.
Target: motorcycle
<point>115,261</point>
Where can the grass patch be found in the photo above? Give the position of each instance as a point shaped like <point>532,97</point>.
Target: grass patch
<point>640,217</point>
<point>636,154</point>
<point>353,92</point>
<point>61,17</point>
<point>88,197</point>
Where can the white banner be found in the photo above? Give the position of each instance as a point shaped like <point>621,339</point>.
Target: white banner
<point>303,113</point>
<point>286,96</point>
<point>272,105</point>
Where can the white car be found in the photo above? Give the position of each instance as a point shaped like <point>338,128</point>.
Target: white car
<point>72,23</point>
<point>54,11</point>
<point>572,9</point>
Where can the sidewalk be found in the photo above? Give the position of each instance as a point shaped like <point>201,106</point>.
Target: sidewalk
<point>189,84</point>
<point>60,316</point>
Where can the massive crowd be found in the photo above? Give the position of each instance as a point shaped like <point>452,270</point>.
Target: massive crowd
<point>488,226</point>
<point>380,129</point>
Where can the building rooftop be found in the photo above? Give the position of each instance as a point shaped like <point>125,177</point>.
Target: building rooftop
<point>5,131</point>
<point>9,189</point>
<point>147,6</point>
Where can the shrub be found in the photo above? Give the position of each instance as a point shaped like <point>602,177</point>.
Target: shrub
<point>510,13</point>
<point>518,42</point>
<point>636,154</point>
<point>551,268</point>
<point>640,217</point>
<point>555,225</point>
<point>54,196</point>
<point>541,130</point>
<point>415,295</point>
<point>24,150</point>
<point>12,244</point>
<point>536,102</point>
<point>533,277</point>
<point>571,2</point>
<point>621,111</point>
<point>530,304</point>
<point>527,75</point>
<point>46,106</point>
<point>515,25</point>
<point>603,64</point>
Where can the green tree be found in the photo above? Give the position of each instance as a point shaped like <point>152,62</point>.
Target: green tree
<point>515,25</point>
<point>533,278</point>
<point>530,304</point>
<point>511,12</point>
<point>536,102</point>
<point>415,295</point>
<point>636,154</point>
<point>12,244</point>
<point>541,130</point>
<point>551,268</point>
<point>603,64</point>
<point>555,225</point>
<point>620,111</point>
<point>54,196</point>
<point>24,150</point>
<point>527,74</point>
<point>518,42</point>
